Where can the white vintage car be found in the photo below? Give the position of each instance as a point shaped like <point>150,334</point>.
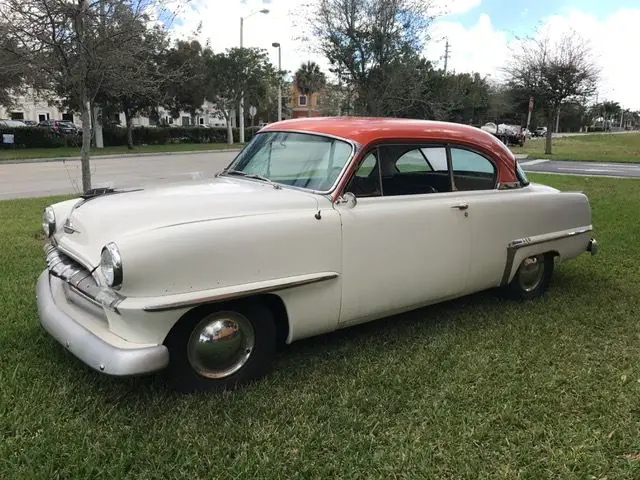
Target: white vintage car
<point>318,224</point>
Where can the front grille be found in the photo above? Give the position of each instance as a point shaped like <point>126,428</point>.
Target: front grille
<point>79,279</point>
<point>65,268</point>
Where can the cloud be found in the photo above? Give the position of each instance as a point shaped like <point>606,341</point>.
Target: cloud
<point>479,47</point>
<point>482,48</point>
<point>221,28</point>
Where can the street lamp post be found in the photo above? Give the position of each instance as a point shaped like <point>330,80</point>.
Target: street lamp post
<point>241,106</point>
<point>277,45</point>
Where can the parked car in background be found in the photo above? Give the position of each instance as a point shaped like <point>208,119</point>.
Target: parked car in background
<point>316,225</point>
<point>540,132</point>
<point>60,126</point>
<point>509,134</point>
<point>6,123</point>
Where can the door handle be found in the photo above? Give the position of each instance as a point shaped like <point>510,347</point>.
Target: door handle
<point>461,206</point>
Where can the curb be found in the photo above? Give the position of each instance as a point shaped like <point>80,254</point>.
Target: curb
<point>123,155</point>
<point>521,156</point>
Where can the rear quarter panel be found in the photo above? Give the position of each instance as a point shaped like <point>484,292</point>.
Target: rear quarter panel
<point>501,217</point>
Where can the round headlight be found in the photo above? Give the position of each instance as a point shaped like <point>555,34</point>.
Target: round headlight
<point>111,265</point>
<point>48,221</point>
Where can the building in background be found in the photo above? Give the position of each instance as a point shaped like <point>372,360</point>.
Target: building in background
<point>30,106</point>
<point>300,103</point>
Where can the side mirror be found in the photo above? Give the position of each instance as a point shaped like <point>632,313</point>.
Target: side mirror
<point>347,199</point>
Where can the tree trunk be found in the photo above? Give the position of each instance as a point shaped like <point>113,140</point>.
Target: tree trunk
<point>229,130</point>
<point>86,142</point>
<point>547,144</point>
<point>129,121</point>
<point>309,105</point>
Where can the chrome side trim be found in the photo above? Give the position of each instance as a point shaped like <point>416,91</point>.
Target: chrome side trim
<point>253,289</point>
<point>518,243</point>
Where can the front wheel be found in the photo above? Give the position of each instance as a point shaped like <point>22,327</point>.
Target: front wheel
<point>532,278</point>
<point>221,348</point>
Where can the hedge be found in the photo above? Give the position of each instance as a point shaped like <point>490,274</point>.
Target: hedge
<point>37,137</point>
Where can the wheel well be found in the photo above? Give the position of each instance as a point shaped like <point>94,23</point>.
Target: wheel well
<point>273,302</point>
<point>280,317</point>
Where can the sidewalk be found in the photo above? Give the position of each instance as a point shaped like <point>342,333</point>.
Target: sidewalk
<point>124,155</point>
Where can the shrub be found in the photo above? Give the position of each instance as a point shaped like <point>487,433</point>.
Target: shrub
<point>38,137</point>
<point>162,135</point>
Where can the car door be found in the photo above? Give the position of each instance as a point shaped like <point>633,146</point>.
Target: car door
<point>406,241</point>
<point>495,216</point>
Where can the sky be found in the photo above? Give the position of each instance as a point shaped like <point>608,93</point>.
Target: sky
<point>481,33</point>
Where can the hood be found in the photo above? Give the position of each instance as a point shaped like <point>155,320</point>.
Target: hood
<point>107,218</point>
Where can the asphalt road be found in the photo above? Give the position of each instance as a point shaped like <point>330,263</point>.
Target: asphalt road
<point>52,178</point>
<point>582,168</point>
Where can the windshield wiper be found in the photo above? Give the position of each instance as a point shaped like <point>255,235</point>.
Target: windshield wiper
<point>252,175</point>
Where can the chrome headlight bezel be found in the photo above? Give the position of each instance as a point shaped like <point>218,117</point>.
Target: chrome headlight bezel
<point>111,265</point>
<point>49,222</point>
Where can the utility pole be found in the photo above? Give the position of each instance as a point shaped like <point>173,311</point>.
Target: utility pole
<point>446,56</point>
<point>278,46</point>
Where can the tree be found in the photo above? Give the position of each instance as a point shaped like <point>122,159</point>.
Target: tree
<point>13,71</point>
<point>236,71</point>
<point>76,48</point>
<point>553,73</point>
<point>186,92</point>
<point>376,45</point>
<point>309,79</point>
<point>143,81</point>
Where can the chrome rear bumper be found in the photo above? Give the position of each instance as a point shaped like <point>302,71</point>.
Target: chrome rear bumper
<point>89,347</point>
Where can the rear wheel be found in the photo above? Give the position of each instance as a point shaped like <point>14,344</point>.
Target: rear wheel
<point>221,348</point>
<point>532,278</point>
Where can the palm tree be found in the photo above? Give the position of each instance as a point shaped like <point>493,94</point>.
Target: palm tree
<point>309,80</point>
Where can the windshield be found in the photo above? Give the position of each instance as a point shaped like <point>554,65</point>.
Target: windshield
<point>296,159</point>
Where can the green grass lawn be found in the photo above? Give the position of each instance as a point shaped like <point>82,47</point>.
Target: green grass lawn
<point>477,388</point>
<point>29,153</point>
<point>623,147</point>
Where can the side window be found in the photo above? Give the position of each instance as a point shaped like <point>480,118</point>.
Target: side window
<point>472,171</point>
<point>414,170</point>
<point>366,181</point>
<point>437,158</point>
<point>413,161</point>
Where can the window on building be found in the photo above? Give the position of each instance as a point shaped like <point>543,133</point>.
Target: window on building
<point>43,116</point>
<point>17,116</point>
<point>201,120</point>
<point>186,121</point>
<point>302,100</point>
<point>68,117</point>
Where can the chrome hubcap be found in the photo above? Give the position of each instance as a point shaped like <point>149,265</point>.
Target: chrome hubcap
<point>531,273</point>
<point>220,344</point>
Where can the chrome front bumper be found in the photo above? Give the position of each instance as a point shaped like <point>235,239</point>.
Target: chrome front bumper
<point>90,348</point>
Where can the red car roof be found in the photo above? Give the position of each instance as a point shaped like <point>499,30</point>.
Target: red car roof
<point>367,130</point>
